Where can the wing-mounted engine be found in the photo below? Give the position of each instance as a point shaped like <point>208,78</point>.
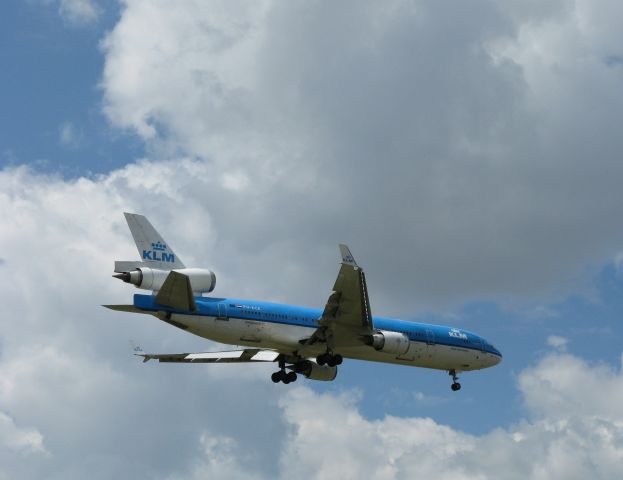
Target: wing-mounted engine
<point>313,371</point>
<point>202,280</point>
<point>388,342</point>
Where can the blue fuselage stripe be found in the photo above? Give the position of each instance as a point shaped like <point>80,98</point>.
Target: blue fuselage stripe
<point>308,317</point>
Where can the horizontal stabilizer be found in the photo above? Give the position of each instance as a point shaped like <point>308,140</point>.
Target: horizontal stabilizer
<point>176,292</point>
<point>128,266</point>
<point>127,308</point>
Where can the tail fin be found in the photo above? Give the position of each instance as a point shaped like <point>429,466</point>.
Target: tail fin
<point>152,248</point>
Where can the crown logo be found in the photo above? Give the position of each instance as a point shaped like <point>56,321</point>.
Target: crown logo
<point>161,247</point>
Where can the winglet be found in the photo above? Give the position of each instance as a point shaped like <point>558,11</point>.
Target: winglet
<point>138,351</point>
<point>347,257</point>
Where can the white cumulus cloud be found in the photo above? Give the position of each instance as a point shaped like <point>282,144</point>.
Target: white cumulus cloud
<point>570,433</point>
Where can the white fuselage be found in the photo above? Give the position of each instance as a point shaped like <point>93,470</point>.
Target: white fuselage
<point>279,336</point>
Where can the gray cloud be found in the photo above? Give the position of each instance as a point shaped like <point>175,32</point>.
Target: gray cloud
<point>68,383</point>
<point>459,161</point>
<point>66,370</point>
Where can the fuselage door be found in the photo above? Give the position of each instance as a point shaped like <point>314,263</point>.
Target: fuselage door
<point>430,337</point>
<point>222,311</point>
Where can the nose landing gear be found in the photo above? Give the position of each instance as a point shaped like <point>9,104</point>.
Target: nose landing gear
<point>455,385</point>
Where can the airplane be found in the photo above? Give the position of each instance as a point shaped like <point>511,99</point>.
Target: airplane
<point>303,341</point>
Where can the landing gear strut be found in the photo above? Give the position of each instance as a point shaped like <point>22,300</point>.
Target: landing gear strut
<point>329,359</point>
<point>281,375</point>
<point>455,385</point>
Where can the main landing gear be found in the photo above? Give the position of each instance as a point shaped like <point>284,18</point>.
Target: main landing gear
<point>329,359</point>
<point>281,375</point>
<point>455,385</point>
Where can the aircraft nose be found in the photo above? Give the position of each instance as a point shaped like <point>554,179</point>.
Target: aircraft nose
<point>495,356</point>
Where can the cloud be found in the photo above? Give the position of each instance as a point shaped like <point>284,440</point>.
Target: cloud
<point>557,342</point>
<point>580,437</point>
<point>18,445</point>
<point>462,157</point>
<point>20,440</point>
<point>79,12</point>
<point>69,136</point>
<point>552,390</point>
<point>66,369</point>
<point>220,457</point>
<point>68,351</point>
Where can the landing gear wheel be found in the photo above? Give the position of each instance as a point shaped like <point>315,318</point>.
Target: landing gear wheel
<point>329,359</point>
<point>291,377</point>
<point>276,377</point>
<point>322,359</point>
<point>455,385</point>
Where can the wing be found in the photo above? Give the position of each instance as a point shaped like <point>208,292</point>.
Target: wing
<point>348,304</point>
<point>229,356</point>
<point>347,317</point>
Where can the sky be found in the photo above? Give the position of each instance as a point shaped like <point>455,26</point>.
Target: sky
<point>467,152</point>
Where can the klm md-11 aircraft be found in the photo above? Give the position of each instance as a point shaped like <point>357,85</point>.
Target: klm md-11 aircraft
<point>301,341</point>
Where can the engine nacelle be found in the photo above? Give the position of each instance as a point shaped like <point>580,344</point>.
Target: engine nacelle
<point>389,342</point>
<point>313,371</point>
<point>202,280</point>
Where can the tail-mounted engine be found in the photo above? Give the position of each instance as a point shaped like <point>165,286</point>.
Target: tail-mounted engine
<point>388,342</point>
<point>202,280</point>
